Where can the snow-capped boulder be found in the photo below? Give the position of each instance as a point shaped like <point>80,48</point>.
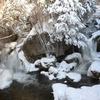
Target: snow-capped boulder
<point>75,77</point>
<point>74,57</point>
<point>46,63</point>
<point>94,70</point>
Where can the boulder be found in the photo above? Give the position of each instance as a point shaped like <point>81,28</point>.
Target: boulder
<point>46,62</point>
<point>94,70</point>
<point>38,46</point>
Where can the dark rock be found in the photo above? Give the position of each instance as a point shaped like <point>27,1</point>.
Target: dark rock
<point>33,49</point>
<point>98,46</point>
<point>96,74</point>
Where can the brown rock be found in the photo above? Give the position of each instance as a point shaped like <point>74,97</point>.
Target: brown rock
<point>96,74</point>
<point>35,48</point>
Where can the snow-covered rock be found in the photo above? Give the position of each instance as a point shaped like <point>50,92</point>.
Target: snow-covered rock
<point>94,70</point>
<point>74,57</point>
<point>63,92</point>
<point>6,78</point>
<point>46,62</point>
<point>75,77</point>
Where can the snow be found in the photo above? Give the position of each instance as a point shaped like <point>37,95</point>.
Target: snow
<point>29,66</point>
<point>45,61</point>
<point>6,78</point>
<point>51,73</point>
<point>44,73</point>
<point>97,13</point>
<point>95,67</point>
<point>98,21</point>
<point>74,55</point>
<point>61,71</point>
<point>74,76</point>
<point>11,45</point>
<point>51,77</point>
<point>63,92</point>
<point>61,75</point>
<point>95,34</point>
<point>64,66</point>
<point>53,70</point>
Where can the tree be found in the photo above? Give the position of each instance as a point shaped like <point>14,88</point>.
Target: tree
<point>61,19</point>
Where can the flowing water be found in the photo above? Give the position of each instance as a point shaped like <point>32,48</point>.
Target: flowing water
<point>41,89</point>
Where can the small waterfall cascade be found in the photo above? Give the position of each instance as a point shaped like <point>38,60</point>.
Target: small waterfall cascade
<point>11,68</point>
<point>87,53</point>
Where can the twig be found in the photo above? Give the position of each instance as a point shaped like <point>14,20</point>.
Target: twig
<point>7,37</point>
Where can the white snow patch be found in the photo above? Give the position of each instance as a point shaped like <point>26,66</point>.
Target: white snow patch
<point>98,21</point>
<point>74,55</point>
<point>95,34</point>
<point>59,91</point>
<point>44,73</point>
<point>53,70</point>
<point>64,67</point>
<point>95,66</point>
<point>6,78</point>
<point>51,77</point>
<point>62,92</point>
<point>61,75</point>
<point>74,76</point>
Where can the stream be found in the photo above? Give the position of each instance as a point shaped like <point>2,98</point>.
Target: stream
<point>41,89</point>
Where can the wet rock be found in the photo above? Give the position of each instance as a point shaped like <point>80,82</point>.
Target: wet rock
<point>96,74</point>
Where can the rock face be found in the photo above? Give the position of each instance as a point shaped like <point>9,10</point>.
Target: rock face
<point>35,48</point>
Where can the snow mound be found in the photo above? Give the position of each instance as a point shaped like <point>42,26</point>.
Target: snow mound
<point>29,66</point>
<point>94,69</point>
<point>6,78</point>
<point>74,76</point>
<point>46,62</point>
<point>95,66</point>
<point>63,92</point>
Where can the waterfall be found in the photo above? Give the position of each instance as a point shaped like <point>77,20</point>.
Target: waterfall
<point>11,68</point>
<point>87,53</point>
